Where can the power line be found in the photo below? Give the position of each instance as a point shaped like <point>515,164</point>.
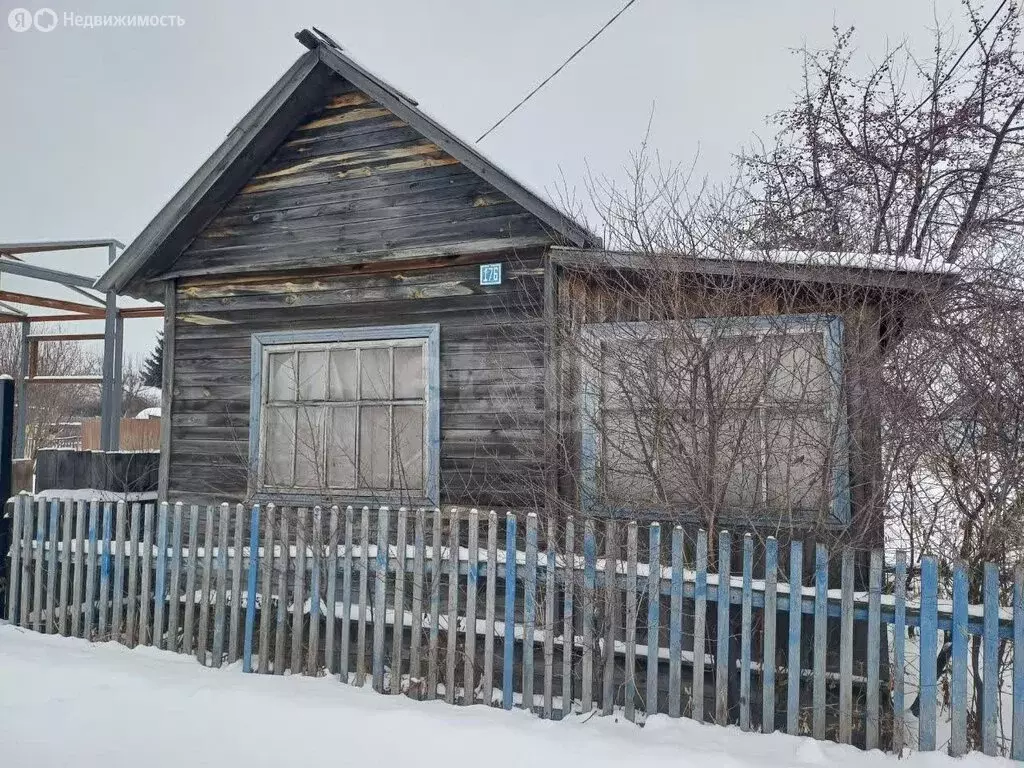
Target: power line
<point>563,65</point>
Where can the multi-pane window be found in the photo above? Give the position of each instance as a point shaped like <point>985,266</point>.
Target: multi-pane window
<point>736,415</point>
<point>348,417</point>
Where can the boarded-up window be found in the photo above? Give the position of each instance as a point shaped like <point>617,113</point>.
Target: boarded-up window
<point>739,415</point>
<point>347,417</point>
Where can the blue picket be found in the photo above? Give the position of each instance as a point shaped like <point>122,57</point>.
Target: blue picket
<point>771,568</point>
<point>589,587</point>
<point>380,583</point>
<point>990,661</point>
<point>820,634</point>
<point>90,570</point>
<point>846,640</point>
<point>653,617</point>
<point>745,631</point>
<point>899,633</point>
<point>250,587</point>
<point>161,578</point>
<point>675,627</point>
<point>796,566</point>
<point>722,610</point>
<point>104,601</point>
<point>508,645</point>
<point>700,596</point>
<point>51,567</point>
<point>958,683</point>
<point>529,609</point>
<point>929,641</point>
<point>874,638</point>
<point>1017,744</point>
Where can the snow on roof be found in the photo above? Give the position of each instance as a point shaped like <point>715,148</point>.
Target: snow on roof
<point>149,413</point>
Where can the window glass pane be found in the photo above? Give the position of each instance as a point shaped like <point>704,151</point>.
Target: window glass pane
<point>278,446</point>
<point>282,377</point>
<point>375,373</point>
<point>309,448</point>
<point>344,375</point>
<point>737,370</point>
<point>408,447</point>
<point>374,447</point>
<point>313,375</point>
<point>630,460</point>
<point>341,448</point>
<point>738,451</point>
<point>408,373</point>
<point>799,368</point>
<point>797,451</point>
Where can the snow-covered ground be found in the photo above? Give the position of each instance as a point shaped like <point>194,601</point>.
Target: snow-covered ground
<point>65,702</point>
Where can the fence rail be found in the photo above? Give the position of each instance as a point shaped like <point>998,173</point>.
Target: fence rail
<point>426,603</point>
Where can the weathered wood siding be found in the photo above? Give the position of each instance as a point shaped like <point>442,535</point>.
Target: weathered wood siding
<point>491,367</point>
<point>354,183</point>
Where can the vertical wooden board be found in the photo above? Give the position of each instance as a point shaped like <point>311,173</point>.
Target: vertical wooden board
<point>314,551</point>
<point>132,609</point>
<point>416,631</point>
<point>398,629</point>
<point>90,570</point>
<point>929,642</point>
<point>203,635</point>
<point>380,593</point>
<point>435,605</point>
<point>267,590</point>
<point>490,607</point>
<point>283,561</point>
<point>508,637</point>
<point>589,590</point>
<point>612,614</point>
<point>568,627</point>
<point>846,649</point>
<point>550,566</point>
<point>653,618</point>
<point>39,556</point>
<point>1017,734</point>
<point>722,665</point>
<point>746,630</point>
<point>250,591</point>
<point>631,621</point>
<point>958,677</point>
<point>529,610</point>
<point>771,575</point>
<point>221,569</point>
<point>331,596</point>
<point>160,589</point>
<point>28,532</point>
<point>346,597</point>
<point>874,627</point>
<point>700,597</point>
<point>191,565</point>
<point>53,530</point>
<point>796,565</point>
<point>66,558</point>
<point>990,661</point>
<point>364,595</point>
<point>820,639</point>
<point>117,622</point>
<point>104,553</point>
<point>899,635</point>
<point>235,614</point>
<point>298,589</point>
<point>472,583</point>
<point>174,584</point>
<point>453,606</point>
<point>146,567</point>
<point>675,625</point>
<point>15,580</point>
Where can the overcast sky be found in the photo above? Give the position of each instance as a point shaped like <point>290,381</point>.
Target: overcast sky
<point>99,127</point>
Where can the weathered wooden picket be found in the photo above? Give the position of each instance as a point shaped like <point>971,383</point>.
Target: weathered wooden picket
<point>137,574</point>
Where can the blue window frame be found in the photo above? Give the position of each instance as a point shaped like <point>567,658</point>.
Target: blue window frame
<point>760,478</point>
<point>348,414</point>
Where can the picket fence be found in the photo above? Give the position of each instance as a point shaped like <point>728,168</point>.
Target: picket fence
<point>132,573</point>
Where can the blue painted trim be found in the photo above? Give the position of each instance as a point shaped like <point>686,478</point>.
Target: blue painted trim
<point>958,683</point>
<point>929,642</point>
<point>250,588</point>
<point>831,328</point>
<point>508,647</point>
<point>990,662</point>
<point>820,639</point>
<point>722,610</point>
<point>429,331</point>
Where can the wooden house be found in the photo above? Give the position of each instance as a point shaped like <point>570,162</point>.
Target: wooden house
<point>361,307</point>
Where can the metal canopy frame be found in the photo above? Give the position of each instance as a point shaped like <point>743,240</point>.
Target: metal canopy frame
<point>102,308</point>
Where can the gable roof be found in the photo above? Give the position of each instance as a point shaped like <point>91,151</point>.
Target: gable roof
<point>264,127</point>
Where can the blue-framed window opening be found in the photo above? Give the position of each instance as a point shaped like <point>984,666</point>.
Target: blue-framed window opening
<point>740,417</point>
<point>346,414</point>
